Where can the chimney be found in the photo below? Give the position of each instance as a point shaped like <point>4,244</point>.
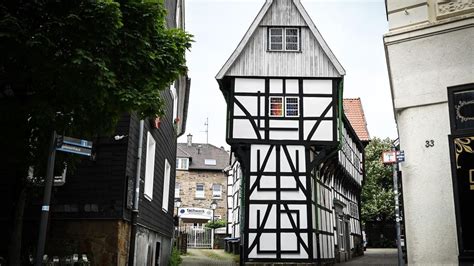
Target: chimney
<point>190,140</point>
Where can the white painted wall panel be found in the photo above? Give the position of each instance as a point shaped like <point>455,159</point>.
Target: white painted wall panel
<point>243,129</point>
<point>292,195</point>
<point>289,242</point>
<point>271,221</point>
<point>276,86</point>
<point>324,132</point>
<point>314,106</point>
<point>270,167</point>
<point>249,103</point>
<point>268,181</point>
<point>284,123</point>
<point>323,86</point>
<point>292,86</point>
<point>284,135</point>
<point>262,195</point>
<point>249,85</point>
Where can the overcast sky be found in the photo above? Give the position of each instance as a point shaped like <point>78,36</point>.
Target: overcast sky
<point>353,29</point>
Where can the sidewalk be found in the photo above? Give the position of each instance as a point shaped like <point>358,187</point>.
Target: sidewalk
<point>204,257</point>
<point>376,256</point>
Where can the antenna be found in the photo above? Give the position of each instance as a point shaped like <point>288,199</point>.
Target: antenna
<point>207,130</point>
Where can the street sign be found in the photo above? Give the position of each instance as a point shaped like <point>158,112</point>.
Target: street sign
<point>72,145</point>
<point>389,157</point>
<point>400,156</point>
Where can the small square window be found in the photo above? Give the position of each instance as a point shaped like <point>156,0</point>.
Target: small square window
<point>276,106</point>
<point>276,39</point>
<point>291,106</point>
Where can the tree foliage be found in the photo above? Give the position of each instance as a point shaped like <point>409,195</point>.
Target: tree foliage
<point>76,66</point>
<point>216,224</point>
<point>377,193</point>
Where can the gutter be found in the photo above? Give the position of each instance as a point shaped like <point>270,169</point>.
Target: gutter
<point>136,197</point>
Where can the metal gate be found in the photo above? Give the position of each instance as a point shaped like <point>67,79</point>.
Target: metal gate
<point>198,236</point>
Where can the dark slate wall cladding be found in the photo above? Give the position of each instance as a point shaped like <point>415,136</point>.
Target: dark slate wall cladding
<point>95,188</point>
<point>151,214</point>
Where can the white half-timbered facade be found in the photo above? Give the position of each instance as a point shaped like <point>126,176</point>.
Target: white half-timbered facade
<point>299,168</point>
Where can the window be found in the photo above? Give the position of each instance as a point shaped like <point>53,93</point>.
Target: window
<point>276,106</point>
<point>276,39</point>
<point>284,39</point>
<point>210,162</point>
<point>216,191</point>
<point>149,166</point>
<point>182,163</point>
<point>199,190</point>
<point>342,242</point>
<point>177,188</point>
<point>166,186</point>
<point>291,106</point>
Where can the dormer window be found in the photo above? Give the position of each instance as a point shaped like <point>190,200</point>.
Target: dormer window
<point>284,39</point>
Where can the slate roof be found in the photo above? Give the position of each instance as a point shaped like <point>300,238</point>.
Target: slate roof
<point>199,152</point>
<point>355,114</point>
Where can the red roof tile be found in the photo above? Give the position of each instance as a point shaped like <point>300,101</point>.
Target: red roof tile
<point>354,112</point>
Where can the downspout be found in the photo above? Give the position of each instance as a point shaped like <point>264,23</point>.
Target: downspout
<point>136,197</point>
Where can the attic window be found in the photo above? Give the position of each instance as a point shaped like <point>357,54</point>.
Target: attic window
<point>210,162</point>
<point>283,39</point>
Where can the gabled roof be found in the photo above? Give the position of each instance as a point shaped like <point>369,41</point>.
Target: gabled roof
<point>257,22</point>
<point>355,114</point>
<point>199,153</point>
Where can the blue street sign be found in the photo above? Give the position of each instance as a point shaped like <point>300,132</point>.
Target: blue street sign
<point>400,156</point>
<point>76,146</point>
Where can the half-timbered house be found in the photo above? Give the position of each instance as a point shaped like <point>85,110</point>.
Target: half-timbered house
<point>300,163</point>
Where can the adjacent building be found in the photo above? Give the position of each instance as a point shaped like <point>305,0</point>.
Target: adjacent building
<point>201,180</point>
<point>92,212</point>
<point>430,57</point>
<point>299,163</point>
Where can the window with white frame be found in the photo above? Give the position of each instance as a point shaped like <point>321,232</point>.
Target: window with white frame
<point>291,106</point>
<point>290,109</point>
<point>182,163</point>
<point>210,162</point>
<point>216,191</point>
<point>177,190</point>
<point>174,94</point>
<point>284,39</point>
<point>149,166</point>
<point>166,186</point>
<point>276,106</point>
<point>199,190</point>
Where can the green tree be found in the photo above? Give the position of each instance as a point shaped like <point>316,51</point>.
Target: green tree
<point>216,224</point>
<point>76,67</point>
<point>377,197</point>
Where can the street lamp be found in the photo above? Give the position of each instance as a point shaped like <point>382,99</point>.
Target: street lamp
<point>177,204</point>
<point>213,207</point>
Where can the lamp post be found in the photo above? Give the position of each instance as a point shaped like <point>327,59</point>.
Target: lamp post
<point>213,207</point>
<point>177,204</point>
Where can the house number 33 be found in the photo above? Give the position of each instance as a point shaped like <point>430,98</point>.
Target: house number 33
<point>429,143</point>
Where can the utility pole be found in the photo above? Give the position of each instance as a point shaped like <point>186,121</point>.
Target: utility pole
<point>48,185</point>
<point>397,207</point>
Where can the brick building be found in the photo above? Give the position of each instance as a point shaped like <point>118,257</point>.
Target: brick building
<point>200,180</point>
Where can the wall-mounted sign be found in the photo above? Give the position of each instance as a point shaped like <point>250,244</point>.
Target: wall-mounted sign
<point>195,213</point>
<point>72,145</point>
<point>389,157</point>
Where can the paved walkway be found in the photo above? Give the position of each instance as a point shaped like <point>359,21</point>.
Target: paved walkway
<point>204,257</point>
<point>376,256</point>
